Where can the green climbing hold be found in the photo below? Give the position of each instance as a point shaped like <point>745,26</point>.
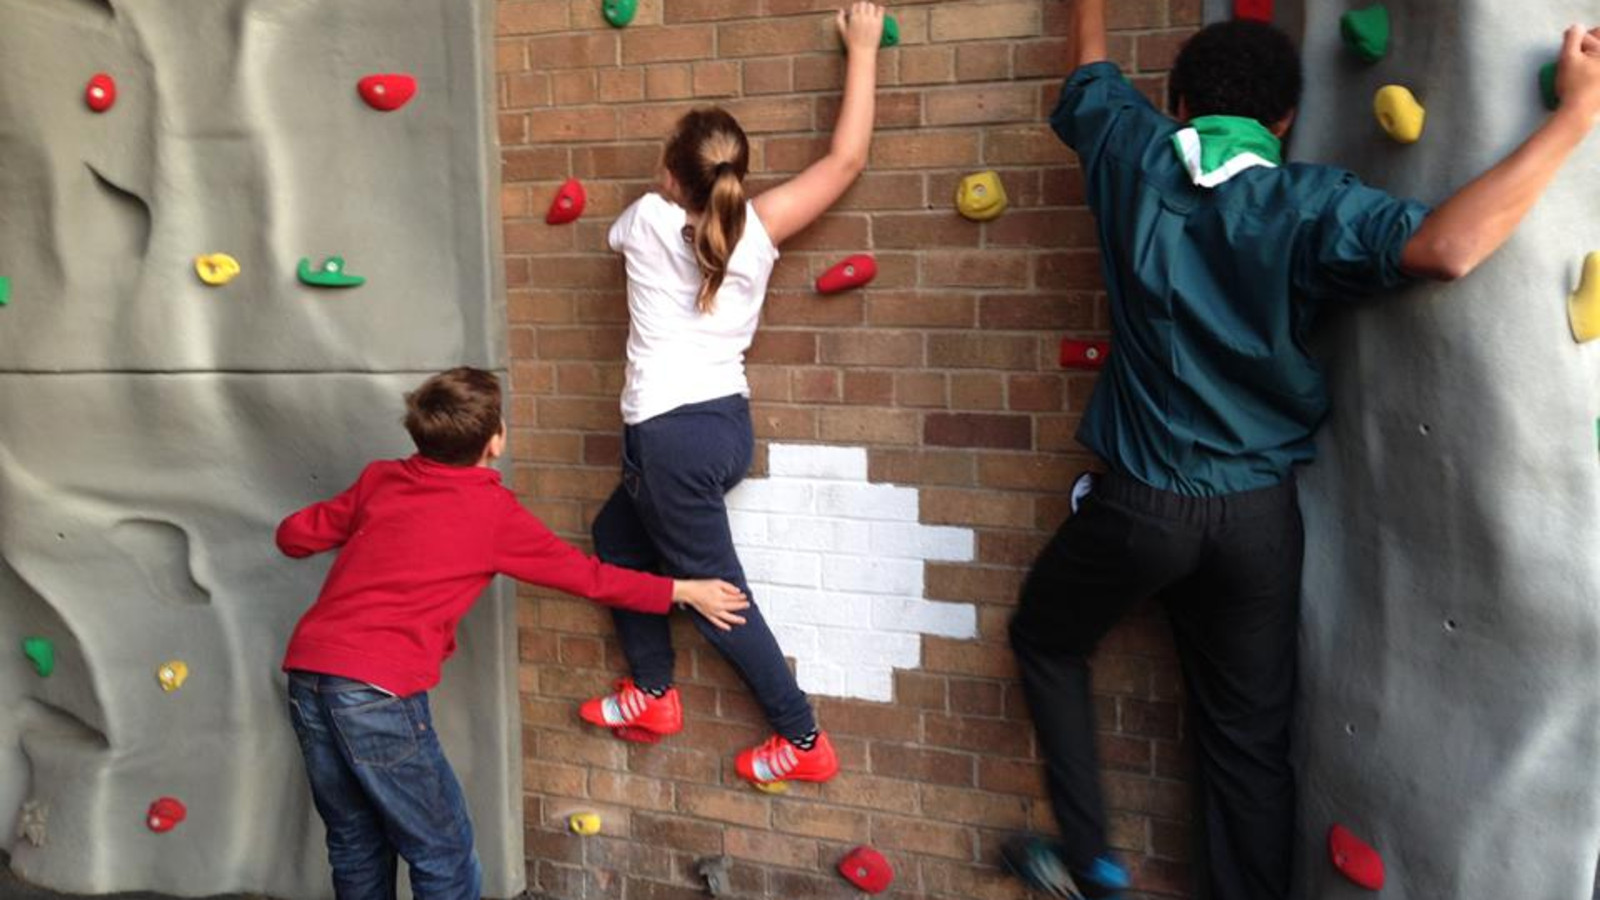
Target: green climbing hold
<point>1366,31</point>
<point>5,291</point>
<point>330,274</point>
<point>43,654</point>
<point>619,12</point>
<point>891,32</point>
<point>1547,86</point>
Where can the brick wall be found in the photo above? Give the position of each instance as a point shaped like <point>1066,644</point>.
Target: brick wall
<point>943,371</point>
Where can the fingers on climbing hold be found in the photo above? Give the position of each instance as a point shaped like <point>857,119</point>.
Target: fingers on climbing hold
<point>1399,113</point>
<point>1547,85</point>
<point>216,268</point>
<point>101,92</point>
<point>1366,32</point>
<point>42,653</point>
<point>172,674</point>
<point>1257,10</point>
<point>981,196</point>
<point>619,12</point>
<point>1355,859</point>
<point>1583,307</point>
<point>387,91</point>
<point>855,271</point>
<point>1079,354</point>
<point>867,869</point>
<point>584,823</point>
<point>165,814</point>
<point>330,274</point>
<point>568,203</point>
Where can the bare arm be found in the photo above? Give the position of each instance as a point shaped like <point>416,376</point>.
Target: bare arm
<point>1470,226</point>
<point>1089,31</point>
<point>786,210</point>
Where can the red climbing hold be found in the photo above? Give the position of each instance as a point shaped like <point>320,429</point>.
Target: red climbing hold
<point>1084,354</point>
<point>852,273</point>
<point>100,93</point>
<point>1355,858</point>
<point>1259,10</point>
<point>165,814</point>
<point>568,203</point>
<point>866,868</point>
<point>387,92</point>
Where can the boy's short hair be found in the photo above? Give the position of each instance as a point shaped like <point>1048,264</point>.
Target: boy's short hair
<point>453,415</point>
<point>1238,68</point>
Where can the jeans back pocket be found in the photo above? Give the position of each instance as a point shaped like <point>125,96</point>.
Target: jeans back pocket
<point>382,733</point>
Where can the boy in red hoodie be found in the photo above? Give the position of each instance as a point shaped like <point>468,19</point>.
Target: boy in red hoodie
<point>419,539</point>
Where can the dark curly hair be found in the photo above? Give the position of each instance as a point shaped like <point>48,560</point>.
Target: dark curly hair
<point>1238,68</point>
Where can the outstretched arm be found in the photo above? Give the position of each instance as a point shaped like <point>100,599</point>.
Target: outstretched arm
<point>789,208</point>
<point>1089,31</point>
<point>1470,226</point>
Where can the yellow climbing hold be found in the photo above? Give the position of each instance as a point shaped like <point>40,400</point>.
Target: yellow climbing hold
<point>216,268</point>
<point>584,823</point>
<point>981,196</point>
<point>1583,307</point>
<point>1398,111</point>
<point>172,674</point>
<point>771,787</point>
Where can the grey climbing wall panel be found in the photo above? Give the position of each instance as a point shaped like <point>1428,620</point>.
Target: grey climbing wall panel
<point>154,429</point>
<point>1451,710</point>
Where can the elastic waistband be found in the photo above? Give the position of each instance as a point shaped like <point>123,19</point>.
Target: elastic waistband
<point>1141,497</point>
<point>733,404</point>
<point>330,684</point>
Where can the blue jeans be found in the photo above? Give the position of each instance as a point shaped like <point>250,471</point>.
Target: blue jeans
<point>384,789</point>
<point>668,516</point>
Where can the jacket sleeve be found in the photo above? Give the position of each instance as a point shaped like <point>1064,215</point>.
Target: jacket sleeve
<point>528,551</point>
<point>1099,110</point>
<point>321,526</point>
<point>1353,247</point>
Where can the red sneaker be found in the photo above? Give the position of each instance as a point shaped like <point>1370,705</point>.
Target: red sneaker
<point>635,712</point>
<point>778,760</point>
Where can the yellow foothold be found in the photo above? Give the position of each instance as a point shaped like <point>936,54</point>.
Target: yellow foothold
<point>1583,307</point>
<point>584,823</point>
<point>981,197</point>
<point>772,787</point>
<point>172,674</point>
<point>1398,111</point>
<point>216,268</point>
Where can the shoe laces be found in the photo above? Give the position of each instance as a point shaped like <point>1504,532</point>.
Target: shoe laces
<point>626,705</point>
<point>775,759</point>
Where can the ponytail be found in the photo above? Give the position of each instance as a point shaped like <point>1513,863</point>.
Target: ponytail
<point>718,234</point>
<point>709,156</point>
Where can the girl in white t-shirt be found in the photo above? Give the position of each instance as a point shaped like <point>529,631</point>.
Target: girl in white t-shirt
<point>698,257</point>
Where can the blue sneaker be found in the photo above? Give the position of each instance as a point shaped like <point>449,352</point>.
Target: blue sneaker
<point>1039,864</point>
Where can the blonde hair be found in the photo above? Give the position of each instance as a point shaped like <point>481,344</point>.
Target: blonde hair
<point>708,156</point>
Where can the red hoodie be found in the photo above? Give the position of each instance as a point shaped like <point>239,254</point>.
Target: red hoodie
<point>420,540</point>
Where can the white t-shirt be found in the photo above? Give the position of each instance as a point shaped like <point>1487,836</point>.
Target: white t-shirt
<point>677,354</point>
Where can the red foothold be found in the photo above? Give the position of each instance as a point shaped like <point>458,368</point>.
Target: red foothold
<point>101,92</point>
<point>1355,858</point>
<point>1259,10</point>
<point>387,92</point>
<point>568,203</point>
<point>854,272</point>
<point>866,868</point>
<point>1077,354</point>
<point>165,814</point>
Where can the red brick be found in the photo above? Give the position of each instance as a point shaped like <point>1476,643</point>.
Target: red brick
<point>676,42</point>
<point>978,430</point>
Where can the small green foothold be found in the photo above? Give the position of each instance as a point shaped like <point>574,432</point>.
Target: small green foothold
<point>1366,31</point>
<point>619,12</point>
<point>43,654</point>
<point>330,274</point>
<point>891,32</point>
<point>1547,86</point>
<point>5,291</point>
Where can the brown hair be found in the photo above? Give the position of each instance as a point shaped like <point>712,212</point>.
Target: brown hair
<point>709,156</point>
<point>453,415</point>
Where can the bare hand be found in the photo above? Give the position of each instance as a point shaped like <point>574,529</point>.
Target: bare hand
<point>1578,79</point>
<point>861,26</point>
<point>716,600</point>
